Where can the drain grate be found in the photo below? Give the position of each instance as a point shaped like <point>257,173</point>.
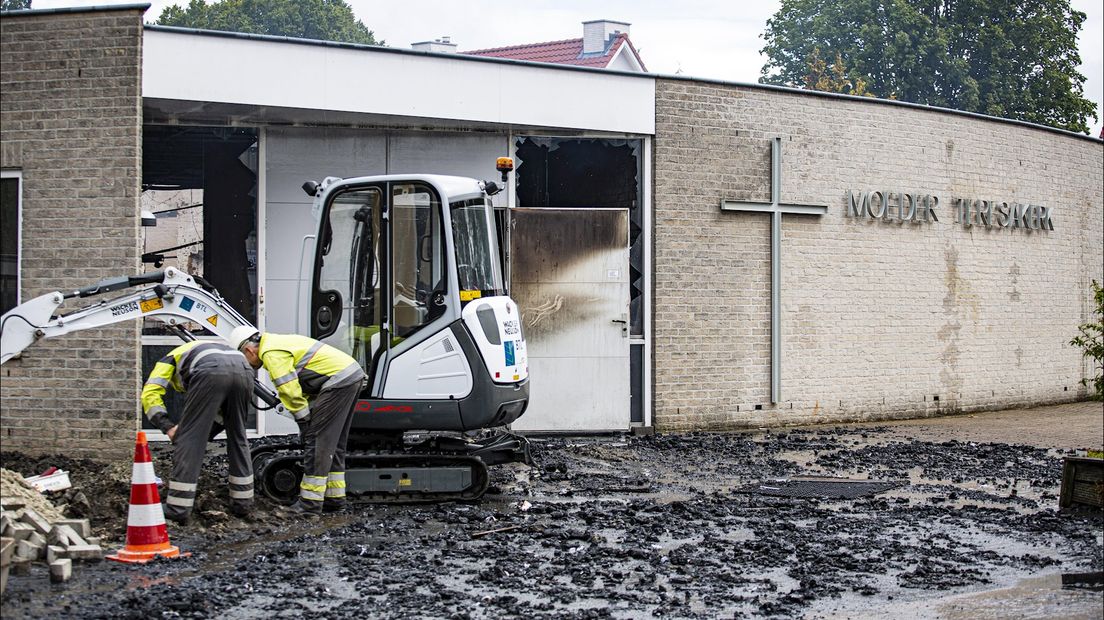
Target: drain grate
<point>830,488</point>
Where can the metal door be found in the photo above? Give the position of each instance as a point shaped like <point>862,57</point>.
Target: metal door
<point>569,275</point>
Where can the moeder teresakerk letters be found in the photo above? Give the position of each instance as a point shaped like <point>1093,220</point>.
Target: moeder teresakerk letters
<point>923,208</point>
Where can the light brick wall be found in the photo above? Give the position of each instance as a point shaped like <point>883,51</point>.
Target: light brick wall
<point>879,318</point>
<point>71,122</point>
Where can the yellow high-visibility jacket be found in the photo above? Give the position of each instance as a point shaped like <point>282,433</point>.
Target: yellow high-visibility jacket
<point>302,367</point>
<point>174,370</point>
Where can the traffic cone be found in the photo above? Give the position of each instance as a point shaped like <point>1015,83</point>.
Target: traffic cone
<point>147,537</point>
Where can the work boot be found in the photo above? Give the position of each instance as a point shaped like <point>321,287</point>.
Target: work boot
<point>179,518</point>
<point>301,508</point>
<point>241,510</point>
<point>334,504</point>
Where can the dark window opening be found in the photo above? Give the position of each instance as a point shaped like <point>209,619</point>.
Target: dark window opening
<point>562,172</point>
<point>636,384</point>
<point>201,183</point>
<point>9,243</point>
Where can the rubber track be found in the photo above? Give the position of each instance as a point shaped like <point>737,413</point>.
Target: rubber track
<point>385,459</point>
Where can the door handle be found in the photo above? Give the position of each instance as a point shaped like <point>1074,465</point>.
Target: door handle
<point>624,326</point>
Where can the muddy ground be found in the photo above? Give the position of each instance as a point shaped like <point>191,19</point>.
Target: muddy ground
<point>628,527</point>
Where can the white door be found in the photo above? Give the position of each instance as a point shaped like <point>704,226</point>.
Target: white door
<point>569,275</point>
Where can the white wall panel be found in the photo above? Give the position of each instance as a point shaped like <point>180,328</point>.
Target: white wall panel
<point>287,224</point>
<point>280,296</point>
<point>465,155</point>
<point>300,153</point>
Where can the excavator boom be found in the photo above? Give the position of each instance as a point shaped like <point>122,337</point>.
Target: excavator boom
<point>174,298</point>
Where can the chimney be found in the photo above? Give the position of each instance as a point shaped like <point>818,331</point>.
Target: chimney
<point>597,34</point>
<point>442,45</point>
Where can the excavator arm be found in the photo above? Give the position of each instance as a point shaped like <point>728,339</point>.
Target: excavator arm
<point>175,298</point>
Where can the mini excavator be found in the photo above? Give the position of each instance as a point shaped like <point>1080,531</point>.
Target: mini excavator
<point>408,279</point>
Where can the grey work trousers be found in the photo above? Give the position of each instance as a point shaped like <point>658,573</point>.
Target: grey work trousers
<point>324,438</point>
<point>217,381</point>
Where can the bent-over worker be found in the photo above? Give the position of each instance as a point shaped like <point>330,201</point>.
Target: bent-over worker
<point>217,381</point>
<point>318,384</point>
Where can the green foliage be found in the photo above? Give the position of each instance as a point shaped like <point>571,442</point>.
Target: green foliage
<point>326,20</point>
<point>1092,341</point>
<point>1010,59</point>
<point>14,5</point>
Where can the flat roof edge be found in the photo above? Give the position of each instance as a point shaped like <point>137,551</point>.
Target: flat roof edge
<point>144,6</point>
<point>631,74</point>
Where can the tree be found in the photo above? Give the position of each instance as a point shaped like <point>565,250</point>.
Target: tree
<point>327,20</point>
<point>14,5</point>
<point>1091,341</point>
<point>998,57</point>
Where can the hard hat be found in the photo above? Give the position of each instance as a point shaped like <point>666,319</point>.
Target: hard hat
<point>241,334</point>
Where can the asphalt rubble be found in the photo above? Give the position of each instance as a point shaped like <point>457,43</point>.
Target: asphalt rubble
<point>620,527</point>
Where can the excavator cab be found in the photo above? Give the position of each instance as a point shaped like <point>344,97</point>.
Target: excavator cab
<point>407,279</point>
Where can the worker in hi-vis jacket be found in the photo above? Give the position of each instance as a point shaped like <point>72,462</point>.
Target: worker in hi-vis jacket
<point>318,384</point>
<point>218,384</point>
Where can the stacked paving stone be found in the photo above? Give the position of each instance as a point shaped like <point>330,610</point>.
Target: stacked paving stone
<point>36,538</point>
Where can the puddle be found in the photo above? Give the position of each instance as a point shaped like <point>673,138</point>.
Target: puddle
<point>1034,597</point>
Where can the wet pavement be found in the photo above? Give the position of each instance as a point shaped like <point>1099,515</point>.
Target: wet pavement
<point>637,527</point>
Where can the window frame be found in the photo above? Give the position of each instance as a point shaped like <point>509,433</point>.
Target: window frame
<point>17,174</point>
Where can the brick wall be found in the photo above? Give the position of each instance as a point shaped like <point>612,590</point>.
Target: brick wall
<point>879,318</point>
<point>71,122</point>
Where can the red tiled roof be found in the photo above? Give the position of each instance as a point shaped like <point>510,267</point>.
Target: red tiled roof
<point>566,52</point>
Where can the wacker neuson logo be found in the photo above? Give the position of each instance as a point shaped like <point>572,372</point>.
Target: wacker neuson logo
<point>901,207</point>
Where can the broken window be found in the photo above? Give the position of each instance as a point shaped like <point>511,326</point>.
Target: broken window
<point>578,172</point>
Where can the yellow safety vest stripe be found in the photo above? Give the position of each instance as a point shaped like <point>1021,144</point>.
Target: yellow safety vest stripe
<point>285,355</point>
<point>313,488</point>
<point>162,376</point>
<point>281,367</point>
<point>335,484</point>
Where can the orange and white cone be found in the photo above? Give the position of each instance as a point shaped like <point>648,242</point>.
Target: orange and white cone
<point>147,537</point>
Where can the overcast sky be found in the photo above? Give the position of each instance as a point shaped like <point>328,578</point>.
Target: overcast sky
<point>706,38</point>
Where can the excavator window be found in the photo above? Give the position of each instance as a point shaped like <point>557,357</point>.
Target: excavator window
<point>475,238</point>
<point>418,256</point>
<point>347,301</point>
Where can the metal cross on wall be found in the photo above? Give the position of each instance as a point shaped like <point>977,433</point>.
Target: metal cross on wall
<point>776,208</point>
